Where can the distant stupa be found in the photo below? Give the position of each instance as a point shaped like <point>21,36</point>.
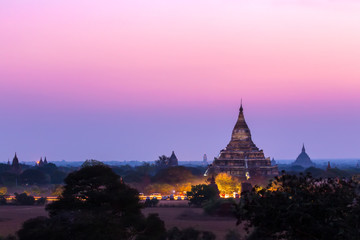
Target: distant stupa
<point>173,161</point>
<point>241,158</point>
<point>303,159</point>
<point>15,165</point>
<point>205,162</point>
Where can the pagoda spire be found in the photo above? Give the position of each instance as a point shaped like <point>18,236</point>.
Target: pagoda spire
<point>15,164</point>
<point>15,161</point>
<point>303,148</point>
<point>241,130</point>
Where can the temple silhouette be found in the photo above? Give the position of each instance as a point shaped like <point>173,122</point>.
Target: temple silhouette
<point>303,159</point>
<point>241,158</point>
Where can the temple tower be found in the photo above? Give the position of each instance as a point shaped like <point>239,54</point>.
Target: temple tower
<point>173,161</point>
<point>15,165</point>
<point>303,159</point>
<point>241,157</point>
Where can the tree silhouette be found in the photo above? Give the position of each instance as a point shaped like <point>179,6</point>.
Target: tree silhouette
<point>302,207</point>
<point>95,204</point>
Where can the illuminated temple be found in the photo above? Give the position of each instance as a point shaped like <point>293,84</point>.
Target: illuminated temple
<point>241,157</point>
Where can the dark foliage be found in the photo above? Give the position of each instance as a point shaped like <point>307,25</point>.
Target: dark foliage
<point>95,204</point>
<point>172,175</point>
<point>10,237</point>
<point>4,167</point>
<point>233,235</point>
<point>8,178</point>
<point>24,199</point>
<point>220,207</point>
<point>200,194</point>
<point>41,201</point>
<point>34,176</point>
<point>302,207</point>
<point>50,169</point>
<point>151,203</point>
<point>189,234</point>
<point>154,229</point>
<point>2,200</point>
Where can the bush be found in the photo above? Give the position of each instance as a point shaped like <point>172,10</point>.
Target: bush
<point>41,201</point>
<point>24,199</point>
<point>151,203</point>
<point>201,193</point>
<point>233,235</point>
<point>2,200</point>
<point>220,207</point>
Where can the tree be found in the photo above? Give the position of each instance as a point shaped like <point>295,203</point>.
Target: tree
<point>2,200</point>
<point>163,188</point>
<point>227,184</point>
<point>95,204</point>
<point>302,207</point>
<point>34,176</point>
<point>162,161</point>
<point>173,175</point>
<point>233,235</point>
<point>9,179</point>
<point>200,194</point>
<point>189,234</point>
<point>24,199</point>
<point>57,190</point>
<point>220,207</point>
<point>3,191</point>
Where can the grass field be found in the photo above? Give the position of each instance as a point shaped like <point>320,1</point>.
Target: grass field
<point>174,213</point>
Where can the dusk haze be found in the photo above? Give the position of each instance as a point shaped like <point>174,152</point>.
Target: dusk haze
<point>132,80</point>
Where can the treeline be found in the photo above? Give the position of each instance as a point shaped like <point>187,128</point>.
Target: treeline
<point>97,204</point>
<point>149,178</point>
<point>33,175</point>
<point>22,199</point>
<point>320,172</point>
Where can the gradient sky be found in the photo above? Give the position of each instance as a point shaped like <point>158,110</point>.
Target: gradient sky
<point>132,80</point>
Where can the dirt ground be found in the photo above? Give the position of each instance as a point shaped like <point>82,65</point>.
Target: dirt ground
<point>173,213</point>
<point>194,217</point>
<point>12,217</point>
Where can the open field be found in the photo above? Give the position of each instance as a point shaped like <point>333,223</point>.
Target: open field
<point>12,217</point>
<point>193,217</point>
<point>174,213</point>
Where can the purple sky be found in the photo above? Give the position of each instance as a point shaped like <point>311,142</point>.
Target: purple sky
<point>132,80</point>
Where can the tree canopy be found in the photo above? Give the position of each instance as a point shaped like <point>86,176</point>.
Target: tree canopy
<point>201,193</point>
<point>227,184</point>
<point>302,207</point>
<point>95,204</point>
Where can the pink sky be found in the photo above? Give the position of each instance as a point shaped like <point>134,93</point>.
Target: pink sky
<point>297,62</point>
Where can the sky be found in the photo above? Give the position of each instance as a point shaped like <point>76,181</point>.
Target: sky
<point>133,80</point>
